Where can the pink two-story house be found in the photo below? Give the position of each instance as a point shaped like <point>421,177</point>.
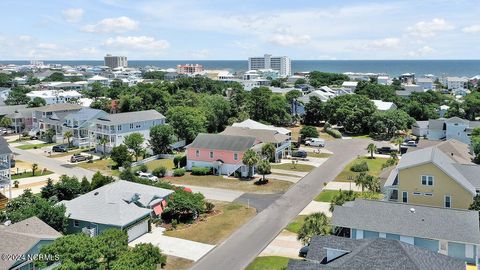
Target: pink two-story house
<point>222,153</point>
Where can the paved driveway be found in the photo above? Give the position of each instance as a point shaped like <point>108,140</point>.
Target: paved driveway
<point>217,194</point>
<point>178,247</point>
<point>246,243</point>
<point>285,245</point>
<point>258,201</point>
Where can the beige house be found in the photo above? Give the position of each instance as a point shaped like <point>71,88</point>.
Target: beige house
<point>441,175</point>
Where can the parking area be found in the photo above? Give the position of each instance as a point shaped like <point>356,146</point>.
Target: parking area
<point>182,248</point>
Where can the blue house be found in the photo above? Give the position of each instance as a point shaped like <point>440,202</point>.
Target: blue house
<point>24,240</point>
<point>121,205</point>
<point>452,232</point>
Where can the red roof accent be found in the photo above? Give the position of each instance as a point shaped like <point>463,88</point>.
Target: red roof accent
<point>158,209</point>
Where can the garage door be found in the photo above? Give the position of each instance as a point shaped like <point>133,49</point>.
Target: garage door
<point>137,230</point>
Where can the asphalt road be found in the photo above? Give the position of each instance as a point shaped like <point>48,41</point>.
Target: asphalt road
<point>258,201</point>
<point>247,242</point>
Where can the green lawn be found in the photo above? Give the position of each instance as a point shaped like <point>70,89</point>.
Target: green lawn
<point>152,165</point>
<point>296,224</point>
<point>214,181</point>
<point>29,174</point>
<point>34,146</point>
<point>103,165</point>
<point>214,229</point>
<point>319,155</point>
<point>291,167</point>
<point>269,263</point>
<point>374,168</point>
<point>327,195</point>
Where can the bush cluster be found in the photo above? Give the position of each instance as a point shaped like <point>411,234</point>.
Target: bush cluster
<point>333,132</point>
<point>179,172</point>
<point>201,171</point>
<point>359,167</point>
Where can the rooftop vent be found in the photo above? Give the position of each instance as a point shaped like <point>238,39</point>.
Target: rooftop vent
<point>96,193</point>
<point>412,210</point>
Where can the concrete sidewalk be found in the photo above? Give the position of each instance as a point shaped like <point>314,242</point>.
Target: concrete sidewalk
<point>217,194</point>
<point>343,186</point>
<point>281,171</point>
<point>315,207</point>
<point>285,245</point>
<point>293,179</point>
<point>174,246</point>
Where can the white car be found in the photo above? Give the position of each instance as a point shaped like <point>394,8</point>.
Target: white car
<point>315,142</point>
<point>148,176</point>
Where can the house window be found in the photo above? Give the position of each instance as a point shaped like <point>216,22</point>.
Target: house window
<point>76,223</point>
<point>197,153</point>
<point>138,126</point>
<point>429,194</point>
<point>448,201</point>
<point>131,126</point>
<point>427,180</point>
<point>417,193</point>
<point>235,156</point>
<point>405,197</point>
<point>119,127</point>
<point>211,154</point>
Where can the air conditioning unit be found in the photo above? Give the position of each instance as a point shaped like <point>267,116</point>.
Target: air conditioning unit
<point>89,231</point>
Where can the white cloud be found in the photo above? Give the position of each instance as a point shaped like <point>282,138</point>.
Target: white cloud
<point>386,43</point>
<point>112,25</point>
<point>201,54</point>
<point>472,29</point>
<point>25,38</point>
<point>73,15</point>
<point>423,51</point>
<point>425,29</point>
<point>137,42</point>
<point>289,39</point>
<point>47,46</point>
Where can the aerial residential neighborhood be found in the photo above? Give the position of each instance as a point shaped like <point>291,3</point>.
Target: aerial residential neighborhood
<point>254,135</point>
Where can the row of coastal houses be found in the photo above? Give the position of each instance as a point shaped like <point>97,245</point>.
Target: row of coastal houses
<point>443,128</point>
<point>423,221</point>
<point>223,152</point>
<point>122,205</point>
<point>88,126</point>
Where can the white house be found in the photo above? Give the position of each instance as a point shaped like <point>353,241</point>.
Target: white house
<point>426,83</point>
<point>99,79</point>
<point>114,127</point>
<point>55,96</point>
<point>350,85</point>
<point>384,105</point>
<point>456,82</point>
<point>383,80</point>
<point>451,128</point>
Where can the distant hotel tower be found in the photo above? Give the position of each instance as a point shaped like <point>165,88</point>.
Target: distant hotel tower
<point>189,68</point>
<point>115,61</point>
<point>280,63</point>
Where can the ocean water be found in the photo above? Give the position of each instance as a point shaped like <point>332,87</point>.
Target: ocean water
<point>392,67</point>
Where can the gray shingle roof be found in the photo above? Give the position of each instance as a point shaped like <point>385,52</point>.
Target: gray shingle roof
<point>371,253</point>
<point>4,149</point>
<point>438,124</point>
<point>421,124</point>
<point>396,218</point>
<point>59,107</point>
<point>114,204</point>
<point>130,117</point>
<point>10,109</point>
<point>222,142</point>
<point>263,135</point>
<point>20,237</point>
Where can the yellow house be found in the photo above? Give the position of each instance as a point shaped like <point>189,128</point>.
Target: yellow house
<point>441,176</point>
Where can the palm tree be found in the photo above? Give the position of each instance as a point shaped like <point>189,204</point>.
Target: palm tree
<point>68,135</point>
<point>49,135</point>
<point>250,158</point>
<point>341,198</point>
<point>103,141</point>
<point>398,141</point>
<point>394,156</point>
<point>264,168</point>
<point>315,224</point>
<point>372,183</point>
<point>371,148</point>
<point>361,180</point>
<point>268,150</point>
<point>34,168</point>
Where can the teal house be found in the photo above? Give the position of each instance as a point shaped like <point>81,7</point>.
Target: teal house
<point>452,232</point>
<point>121,205</point>
<point>21,241</point>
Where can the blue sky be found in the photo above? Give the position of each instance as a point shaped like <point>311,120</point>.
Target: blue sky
<point>215,29</point>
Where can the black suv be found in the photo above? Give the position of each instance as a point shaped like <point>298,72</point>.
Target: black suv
<point>299,154</point>
<point>59,148</point>
<point>385,150</point>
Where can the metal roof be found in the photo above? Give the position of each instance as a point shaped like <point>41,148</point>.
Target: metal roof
<point>130,117</point>
<point>223,142</point>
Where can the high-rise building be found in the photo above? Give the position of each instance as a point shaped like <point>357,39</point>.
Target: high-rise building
<point>280,63</point>
<point>189,68</point>
<point>115,61</point>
